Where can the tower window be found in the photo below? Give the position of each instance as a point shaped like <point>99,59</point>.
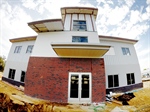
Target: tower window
<point>79,25</point>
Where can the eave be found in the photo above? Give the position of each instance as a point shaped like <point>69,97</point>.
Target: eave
<point>80,50</point>
<point>78,10</point>
<point>117,39</point>
<point>47,25</point>
<point>21,39</point>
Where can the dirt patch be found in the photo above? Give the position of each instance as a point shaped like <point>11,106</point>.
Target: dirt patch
<point>9,105</point>
<point>15,100</point>
<point>124,98</point>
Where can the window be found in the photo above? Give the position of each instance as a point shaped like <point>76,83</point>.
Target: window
<point>113,81</point>
<point>17,49</point>
<point>130,78</point>
<point>79,39</point>
<point>11,73</point>
<point>79,25</point>
<point>125,51</point>
<point>22,76</point>
<point>29,49</point>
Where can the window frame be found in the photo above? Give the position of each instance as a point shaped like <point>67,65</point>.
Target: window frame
<point>77,23</point>
<point>126,51</point>
<point>11,74</point>
<point>131,79</point>
<point>113,81</point>
<point>79,99</point>
<point>17,49</point>
<point>29,46</point>
<point>79,38</point>
<point>22,76</point>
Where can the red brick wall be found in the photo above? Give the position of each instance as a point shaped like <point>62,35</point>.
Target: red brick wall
<point>98,80</point>
<point>47,78</point>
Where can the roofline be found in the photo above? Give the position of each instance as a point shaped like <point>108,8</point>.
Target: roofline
<point>93,11</point>
<point>117,39</point>
<point>46,20</point>
<point>28,38</point>
<point>79,8</point>
<point>20,39</point>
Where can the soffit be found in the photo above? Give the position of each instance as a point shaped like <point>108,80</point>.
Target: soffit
<point>78,10</point>
<point>47,25</point>
<point>73,50</point>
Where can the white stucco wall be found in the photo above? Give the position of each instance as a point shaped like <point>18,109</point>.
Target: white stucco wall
<point>115,61</point>
<point>43,48</point>
<point>18,61</point>
<point>122,64</point>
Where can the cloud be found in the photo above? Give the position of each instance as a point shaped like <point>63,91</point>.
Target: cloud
<point>122,21</point>
<point>144,63</point>
<point>30,4</point>
<point>129,2</point>
<point>144,52</point>
<point>138,46</point>
<point>125,29</point>
<point>113,19</point>
<point>15,19</point>
<point>145,16</point>
<point>13,24</point>
<point>148,9</point>
<point>110,2</point>
<point>52,6</point>
<point>134,17</point>
<point>110,14</point>
<point>148,2</point>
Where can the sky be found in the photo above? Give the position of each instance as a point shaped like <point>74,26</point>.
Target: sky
<point>120,18</point>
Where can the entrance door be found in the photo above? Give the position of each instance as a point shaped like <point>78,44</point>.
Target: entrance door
<point>79,90</point>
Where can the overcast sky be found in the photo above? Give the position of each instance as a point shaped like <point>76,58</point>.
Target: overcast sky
<point>121,18</point>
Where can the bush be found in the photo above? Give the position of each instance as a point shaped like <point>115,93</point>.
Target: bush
<point>2,64</point>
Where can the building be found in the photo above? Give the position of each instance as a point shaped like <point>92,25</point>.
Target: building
<point>69,62</point>
<point>121,65</point>
<point>145,74</point>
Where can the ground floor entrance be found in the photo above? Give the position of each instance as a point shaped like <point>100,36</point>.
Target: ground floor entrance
<point>72,80</point>
<point>79,90</point>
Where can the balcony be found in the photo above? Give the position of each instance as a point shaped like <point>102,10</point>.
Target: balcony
<point>80,50</point>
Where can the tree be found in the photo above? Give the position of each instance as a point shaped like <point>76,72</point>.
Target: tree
<point>2,64</point>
